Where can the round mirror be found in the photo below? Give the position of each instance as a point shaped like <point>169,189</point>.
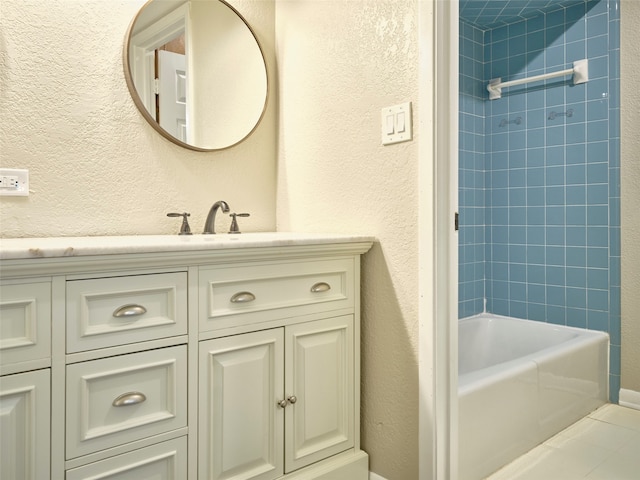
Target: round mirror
<point>196,72</point>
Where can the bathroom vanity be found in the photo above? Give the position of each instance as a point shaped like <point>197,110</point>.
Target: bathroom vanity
<point>175,357</point>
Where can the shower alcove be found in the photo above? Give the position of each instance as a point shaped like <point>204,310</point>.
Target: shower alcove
<point>539,169</point>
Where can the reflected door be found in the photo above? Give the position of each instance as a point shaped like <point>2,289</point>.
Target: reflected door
<point>172,93</point>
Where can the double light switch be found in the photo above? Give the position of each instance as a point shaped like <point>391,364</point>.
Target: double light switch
<point>396,124</point>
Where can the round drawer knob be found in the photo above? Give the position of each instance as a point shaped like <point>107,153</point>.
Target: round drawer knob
<point>282,403</point>
<point>292,399</point>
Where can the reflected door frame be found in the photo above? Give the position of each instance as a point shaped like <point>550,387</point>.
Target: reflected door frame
<point>144,45</point>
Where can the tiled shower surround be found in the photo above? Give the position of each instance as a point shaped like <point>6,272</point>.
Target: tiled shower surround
<point>539,172</point>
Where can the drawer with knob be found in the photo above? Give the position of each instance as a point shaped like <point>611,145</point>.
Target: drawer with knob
<point>241,295</point>
<point>103,312</point>
<point>112,401</point>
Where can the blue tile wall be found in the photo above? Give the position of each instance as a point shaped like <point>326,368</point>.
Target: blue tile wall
<point>540,172</point>
<point>471,179</point>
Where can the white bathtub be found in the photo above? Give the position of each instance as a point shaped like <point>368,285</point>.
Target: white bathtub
<point>521,382</point>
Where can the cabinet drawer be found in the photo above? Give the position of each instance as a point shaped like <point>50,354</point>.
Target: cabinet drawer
<point>117,400</point>
<point>250,294</point>
<point>163,461</point>
<point>25,322</point>
<point>114,311</point>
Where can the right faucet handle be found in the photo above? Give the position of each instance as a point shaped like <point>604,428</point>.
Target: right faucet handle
<point>234,223</point>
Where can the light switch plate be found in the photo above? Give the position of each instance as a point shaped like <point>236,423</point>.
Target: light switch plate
<point>400,117</point>
<point>14,182</point>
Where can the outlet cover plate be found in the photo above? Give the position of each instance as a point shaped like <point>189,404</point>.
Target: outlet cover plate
<point>14,182</point>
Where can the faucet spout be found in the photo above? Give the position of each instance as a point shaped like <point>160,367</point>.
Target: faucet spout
<point>210,224</point>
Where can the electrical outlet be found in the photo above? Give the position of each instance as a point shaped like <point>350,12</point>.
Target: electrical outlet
<point>9,181</point>
<point>14,182</point>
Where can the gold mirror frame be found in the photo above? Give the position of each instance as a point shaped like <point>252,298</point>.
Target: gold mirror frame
<point>247,129</point>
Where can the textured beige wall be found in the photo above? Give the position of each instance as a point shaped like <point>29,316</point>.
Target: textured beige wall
<point>96,167</point>
<point>630,173</point>
<point>340,62</point>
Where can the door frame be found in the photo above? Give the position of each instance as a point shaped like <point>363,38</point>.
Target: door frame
<point>438,255</point>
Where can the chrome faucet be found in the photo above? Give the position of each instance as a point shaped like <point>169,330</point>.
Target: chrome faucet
<point>210,224</point>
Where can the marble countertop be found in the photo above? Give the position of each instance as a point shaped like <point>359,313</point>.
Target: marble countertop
<point>52,247</point>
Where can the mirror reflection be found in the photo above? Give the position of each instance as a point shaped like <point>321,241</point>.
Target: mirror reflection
<point>196,72</point>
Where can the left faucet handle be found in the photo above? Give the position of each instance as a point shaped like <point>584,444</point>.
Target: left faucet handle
<point>185,229</point>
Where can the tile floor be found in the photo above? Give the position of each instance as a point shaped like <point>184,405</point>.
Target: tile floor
<point>602,446</point>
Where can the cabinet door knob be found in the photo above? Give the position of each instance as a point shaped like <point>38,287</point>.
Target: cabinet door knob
<point>320,287</point>
<point>130,310</point>
<point>282,403</point>
<point>128,399</point>
<point>292,399</point>
<point>243,297</point>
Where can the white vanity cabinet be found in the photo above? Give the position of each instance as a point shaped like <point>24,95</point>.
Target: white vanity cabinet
<point>281,396</point>
<point>274,401</point>
<point>174,358</point>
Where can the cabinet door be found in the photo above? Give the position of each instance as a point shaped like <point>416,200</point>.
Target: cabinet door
<point>240,422</point>
<point>25,426</point>
<point>319,369</point>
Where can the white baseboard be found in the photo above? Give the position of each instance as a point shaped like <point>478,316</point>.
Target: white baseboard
<point>375,476</point>
<point>629,398</point>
